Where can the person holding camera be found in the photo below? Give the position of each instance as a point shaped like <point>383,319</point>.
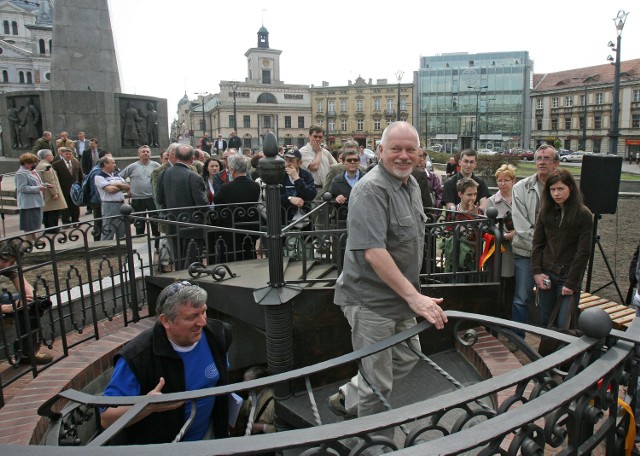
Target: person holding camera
<point>54,200</point>
<point>560,249</point>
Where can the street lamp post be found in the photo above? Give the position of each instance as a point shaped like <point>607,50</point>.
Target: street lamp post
<point>399,75</point>
<point>204,121</point>
<point>475,127</point>
<point>234,87</point>
<point>614,131</point>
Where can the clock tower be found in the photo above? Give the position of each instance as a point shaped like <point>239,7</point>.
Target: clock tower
<point>263,62</point>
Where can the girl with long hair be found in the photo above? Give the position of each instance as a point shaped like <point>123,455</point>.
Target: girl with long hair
<point>561,248</point>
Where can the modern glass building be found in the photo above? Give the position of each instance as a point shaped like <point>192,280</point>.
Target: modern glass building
<point>474,100</point>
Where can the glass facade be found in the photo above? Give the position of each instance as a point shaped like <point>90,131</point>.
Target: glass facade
<point>474,100</point>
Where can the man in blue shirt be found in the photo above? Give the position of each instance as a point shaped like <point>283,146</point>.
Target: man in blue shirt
<point>184,351</point>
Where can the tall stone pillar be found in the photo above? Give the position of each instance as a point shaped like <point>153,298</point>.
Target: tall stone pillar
<point>84,57</point>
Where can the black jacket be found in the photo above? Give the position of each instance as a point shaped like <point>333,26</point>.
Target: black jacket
<point>151,356</point>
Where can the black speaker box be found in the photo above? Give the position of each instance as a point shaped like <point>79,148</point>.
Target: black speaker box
<point>600,182</point>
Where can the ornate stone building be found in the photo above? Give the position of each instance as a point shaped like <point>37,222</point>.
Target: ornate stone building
<point>574,108</point>
<point>25,44</point>
<point>360,110</point>
<point>255,106</point>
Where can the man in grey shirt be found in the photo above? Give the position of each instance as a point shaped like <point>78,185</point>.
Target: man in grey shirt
<point>139,175</point>
<point>379,289</point>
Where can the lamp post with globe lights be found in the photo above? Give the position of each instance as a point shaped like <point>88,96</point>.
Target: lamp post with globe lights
<point>614,132</point>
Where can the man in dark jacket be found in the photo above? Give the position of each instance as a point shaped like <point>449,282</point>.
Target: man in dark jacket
<point>180,190</point>
<point>183,351</point>
<point>298,185</point>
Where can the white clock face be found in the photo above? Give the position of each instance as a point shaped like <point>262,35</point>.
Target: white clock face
<point>470,77</point>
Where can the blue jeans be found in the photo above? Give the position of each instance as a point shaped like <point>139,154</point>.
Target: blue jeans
<point>548,299</point>
<point>524,288</point>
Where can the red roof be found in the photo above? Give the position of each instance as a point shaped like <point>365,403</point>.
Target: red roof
<point>601,74</point>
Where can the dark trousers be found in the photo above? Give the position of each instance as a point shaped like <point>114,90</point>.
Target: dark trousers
<point>97,219</point>
<point>72,213</point>
<point>144,205</point>
<point>50,219</point>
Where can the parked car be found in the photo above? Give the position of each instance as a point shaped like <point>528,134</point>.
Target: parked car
<point>486,152</point>
<point>564,152</point>
<point>574,157</point>
<point>528,154</point>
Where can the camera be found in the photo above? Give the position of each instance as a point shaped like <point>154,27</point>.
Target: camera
<point>546,283</point>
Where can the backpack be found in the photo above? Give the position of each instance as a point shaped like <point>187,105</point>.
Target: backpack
<point>81,193</point>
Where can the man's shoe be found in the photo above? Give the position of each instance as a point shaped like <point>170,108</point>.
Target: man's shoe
<point>40,358</point>
<point>336,405</point>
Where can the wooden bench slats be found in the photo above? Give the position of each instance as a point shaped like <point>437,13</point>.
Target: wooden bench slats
<point>620,315</point>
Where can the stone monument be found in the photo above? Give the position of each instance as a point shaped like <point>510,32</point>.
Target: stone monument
<point>85,91</point>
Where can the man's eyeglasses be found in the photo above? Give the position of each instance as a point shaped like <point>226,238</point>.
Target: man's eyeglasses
<point>545,159</point>
<point>352,160</point>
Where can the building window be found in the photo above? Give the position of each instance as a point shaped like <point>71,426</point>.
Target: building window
<point>287,121</point>
<point>376,124</point>
<point>267,98</point>
<point>359,124</point>
<point>203,125</point>
<point>300,121</point>
<point>539,123</point>
<point>597,146</point>
<point>6,27</point>
<point>41,46</point>
<point>343,105</point>
<point>267,121</point>
<point>583,100</point>
<point>582,123</point>
<point>246,121</point>
<point>29,78</point>
<point>266,76</point>
<point>567,123</point>
<point>14,27</point>
<point>635,121</point>
<point>554,123</point>
<point>319,106</point>
<point>568,101</point>
<point>332,106</point>
<point>301,142</point>
<point>47,76</point>
<point>246,143</point>
<point>21,77</point>
<point>597,121</point>
<point>599,98</point>
<point>359,105</point>
<point>390,104</point>
<point>636,95</point>
<point>232,122</point>
<point>403,103</point>
<point>376,104</point>
<point>554,102</point>
<point>50,48</point>
<point>540,105</point>
<point>332,125</point>
<point>344,124</point>
<point>5,76</point>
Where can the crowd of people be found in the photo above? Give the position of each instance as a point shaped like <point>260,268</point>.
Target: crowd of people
<point>547,239</point>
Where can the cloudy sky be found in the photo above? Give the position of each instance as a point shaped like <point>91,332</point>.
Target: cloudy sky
<point>167,48</point>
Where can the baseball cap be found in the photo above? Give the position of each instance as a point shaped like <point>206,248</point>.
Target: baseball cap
<point>293,154</point>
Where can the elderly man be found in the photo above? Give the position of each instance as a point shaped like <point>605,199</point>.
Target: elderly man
<point>379,287</point>
<point>112,189</point>
<point>180,187</point>
<point>183,351</point>
<point>54,201</point>
<point>69,171</point>
<point>64,141</point>
<point>525,208</point>
<point>338,168</point>
<point>43,142</point>
<point>139,175</point>
<point>241,190</point>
